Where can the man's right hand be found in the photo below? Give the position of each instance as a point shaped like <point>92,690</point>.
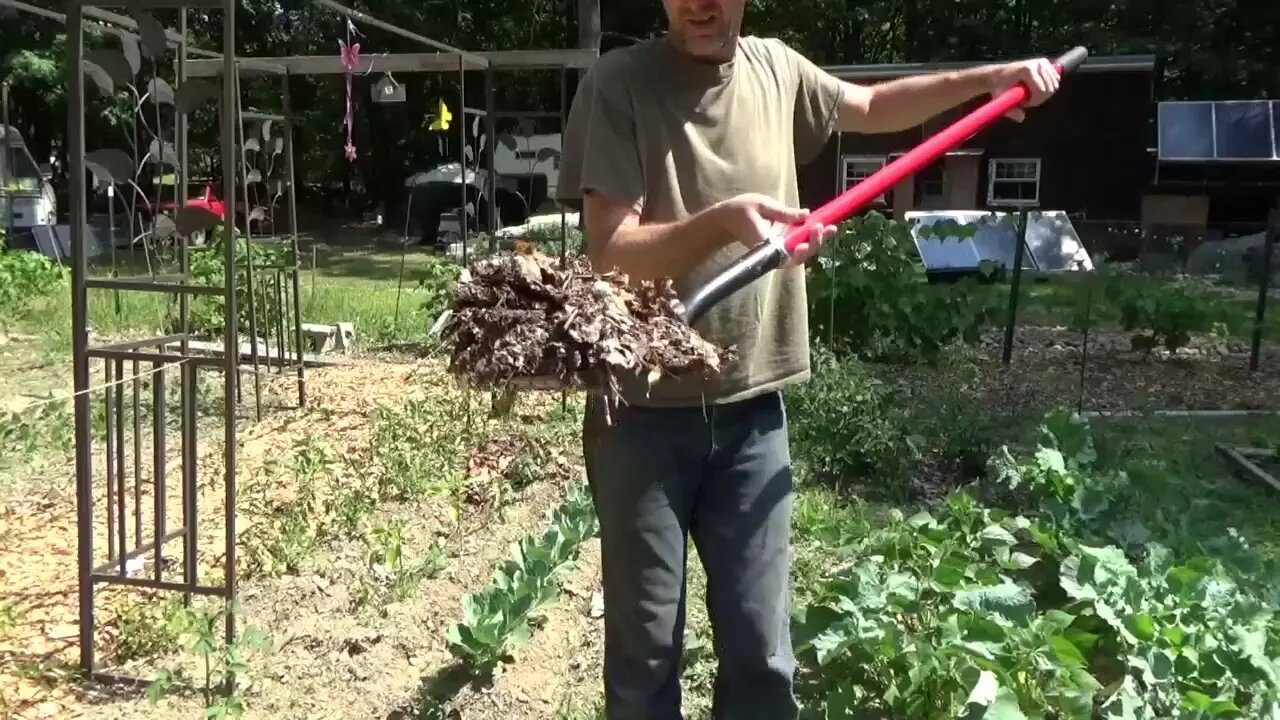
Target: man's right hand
<point>752,219</point>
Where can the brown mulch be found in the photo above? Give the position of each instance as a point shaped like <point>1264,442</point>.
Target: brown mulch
<point>1045,371</point>
<point>523,316</point>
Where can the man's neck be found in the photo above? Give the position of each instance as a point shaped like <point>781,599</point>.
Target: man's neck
<point>723,55</point>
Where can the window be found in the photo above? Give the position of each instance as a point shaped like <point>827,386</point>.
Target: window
<point>1014,181</point>
<point>856,168</point>
<point>929,181</point>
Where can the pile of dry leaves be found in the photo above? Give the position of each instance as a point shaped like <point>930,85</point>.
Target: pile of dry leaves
<point>522,316</point>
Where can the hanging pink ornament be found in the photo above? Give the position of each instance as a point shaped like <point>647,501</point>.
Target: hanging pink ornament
<point>350,56</point>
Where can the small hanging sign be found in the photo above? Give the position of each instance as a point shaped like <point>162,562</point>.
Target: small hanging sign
<point>387,90</point>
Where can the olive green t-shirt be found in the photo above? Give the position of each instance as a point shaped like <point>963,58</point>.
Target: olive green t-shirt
<point>653,127</point>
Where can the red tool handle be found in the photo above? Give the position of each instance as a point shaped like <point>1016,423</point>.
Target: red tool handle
<point>769,256</point>
<point>861,195</point>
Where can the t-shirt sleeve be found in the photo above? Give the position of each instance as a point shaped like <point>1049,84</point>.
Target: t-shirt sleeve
<point>818,97</point>
<point>600,151</point>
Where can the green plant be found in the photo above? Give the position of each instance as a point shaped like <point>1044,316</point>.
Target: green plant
<point>222,666</point>
<point>868,292</point>
<point>976,612</point>
<point>547,238</point>
<point>1165,312</point>
<point>436,284</point>
<point>392,578</point>
<point>25,275</point>
<point>207,312</point>
<point>287,532</point>
<point>10,616</point>
<point>419,450</point>
<point>497,619</point>
<point>148,628</point>
<point>845,424</point>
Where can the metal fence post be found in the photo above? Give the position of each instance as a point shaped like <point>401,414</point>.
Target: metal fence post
<point>1015,285</point>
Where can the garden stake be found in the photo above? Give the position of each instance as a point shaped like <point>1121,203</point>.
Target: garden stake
<point>1088,320</point>
<point>1271,237</point>
<point>774,253</point>
<point>1015,285</point>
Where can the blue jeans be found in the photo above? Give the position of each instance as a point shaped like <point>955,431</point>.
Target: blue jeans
<point>721,475</point>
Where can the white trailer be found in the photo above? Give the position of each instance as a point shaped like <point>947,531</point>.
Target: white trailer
<point>27,200</point>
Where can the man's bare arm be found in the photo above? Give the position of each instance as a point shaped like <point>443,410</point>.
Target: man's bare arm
<point>616,240</point>
<point>907,102</point>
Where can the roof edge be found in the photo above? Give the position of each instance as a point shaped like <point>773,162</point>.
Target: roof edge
<point>1095,63</point>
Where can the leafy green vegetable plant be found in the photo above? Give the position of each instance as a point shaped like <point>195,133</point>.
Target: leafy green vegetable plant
<point>975,612</point>
<point>869,292</point>
<point>498,619</point>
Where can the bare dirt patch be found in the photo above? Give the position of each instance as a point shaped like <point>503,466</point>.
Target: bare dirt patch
<point>329,660</point>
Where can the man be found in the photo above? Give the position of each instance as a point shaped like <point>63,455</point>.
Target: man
<point>683,151</point>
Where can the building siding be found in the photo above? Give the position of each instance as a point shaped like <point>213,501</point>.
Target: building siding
<point>1091,138</point>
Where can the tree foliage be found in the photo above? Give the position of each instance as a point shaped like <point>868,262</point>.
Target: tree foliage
<point>1217,49</point>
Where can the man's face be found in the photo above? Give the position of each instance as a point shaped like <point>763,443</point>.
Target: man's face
<point>705,29</point>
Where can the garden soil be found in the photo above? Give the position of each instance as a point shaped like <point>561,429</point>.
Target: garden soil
<point>326,661</point>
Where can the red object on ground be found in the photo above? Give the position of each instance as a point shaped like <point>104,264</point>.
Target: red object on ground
<point>209,202</point>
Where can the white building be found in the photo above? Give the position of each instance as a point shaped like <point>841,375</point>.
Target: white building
<point>530,155</point>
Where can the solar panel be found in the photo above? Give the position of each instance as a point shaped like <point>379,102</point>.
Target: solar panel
<point>1240,130</point>
<point>1243,130</point>
<point>1052,242</point>
<point>1186,131</point>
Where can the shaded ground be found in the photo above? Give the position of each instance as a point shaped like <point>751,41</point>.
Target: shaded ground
<point>1045,370</point>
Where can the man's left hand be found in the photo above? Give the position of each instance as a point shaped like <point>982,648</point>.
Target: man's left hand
<point>818,235</point>
<point>1039,76</point>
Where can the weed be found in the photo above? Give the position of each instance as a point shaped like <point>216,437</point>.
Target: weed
<point>222,666</point>
<point>391,577</point>
<point>148,628</point>
<point>10,618</point>
<point>420,451</point>
<point>288,532</point>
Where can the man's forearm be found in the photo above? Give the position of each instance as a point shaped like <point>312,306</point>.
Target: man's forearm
<point>649,251</point>
<point>908,102</point>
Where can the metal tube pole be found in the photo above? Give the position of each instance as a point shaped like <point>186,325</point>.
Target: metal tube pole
<point>564,122</point>
<point>248,254</point>
<point>4,163</point>
<point>491,139</point>
<point>370,20</point>
<point>180,182</point>
<point>1269,240</point>
<point>231,355</point>
<point>293,239</point>
<point>462,153</point>
<point>79,335</point>
<point>1014,287</point>
<point>186,375</point>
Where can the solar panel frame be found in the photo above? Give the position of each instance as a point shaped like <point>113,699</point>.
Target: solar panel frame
<point>1210,109</point>
<point>1275,129</point>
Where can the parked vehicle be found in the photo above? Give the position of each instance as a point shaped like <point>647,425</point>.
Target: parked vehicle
<point>27,198</point>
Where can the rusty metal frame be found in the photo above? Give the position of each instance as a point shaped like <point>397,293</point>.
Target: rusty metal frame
<point>125,362</point>
<point>152,351</point>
